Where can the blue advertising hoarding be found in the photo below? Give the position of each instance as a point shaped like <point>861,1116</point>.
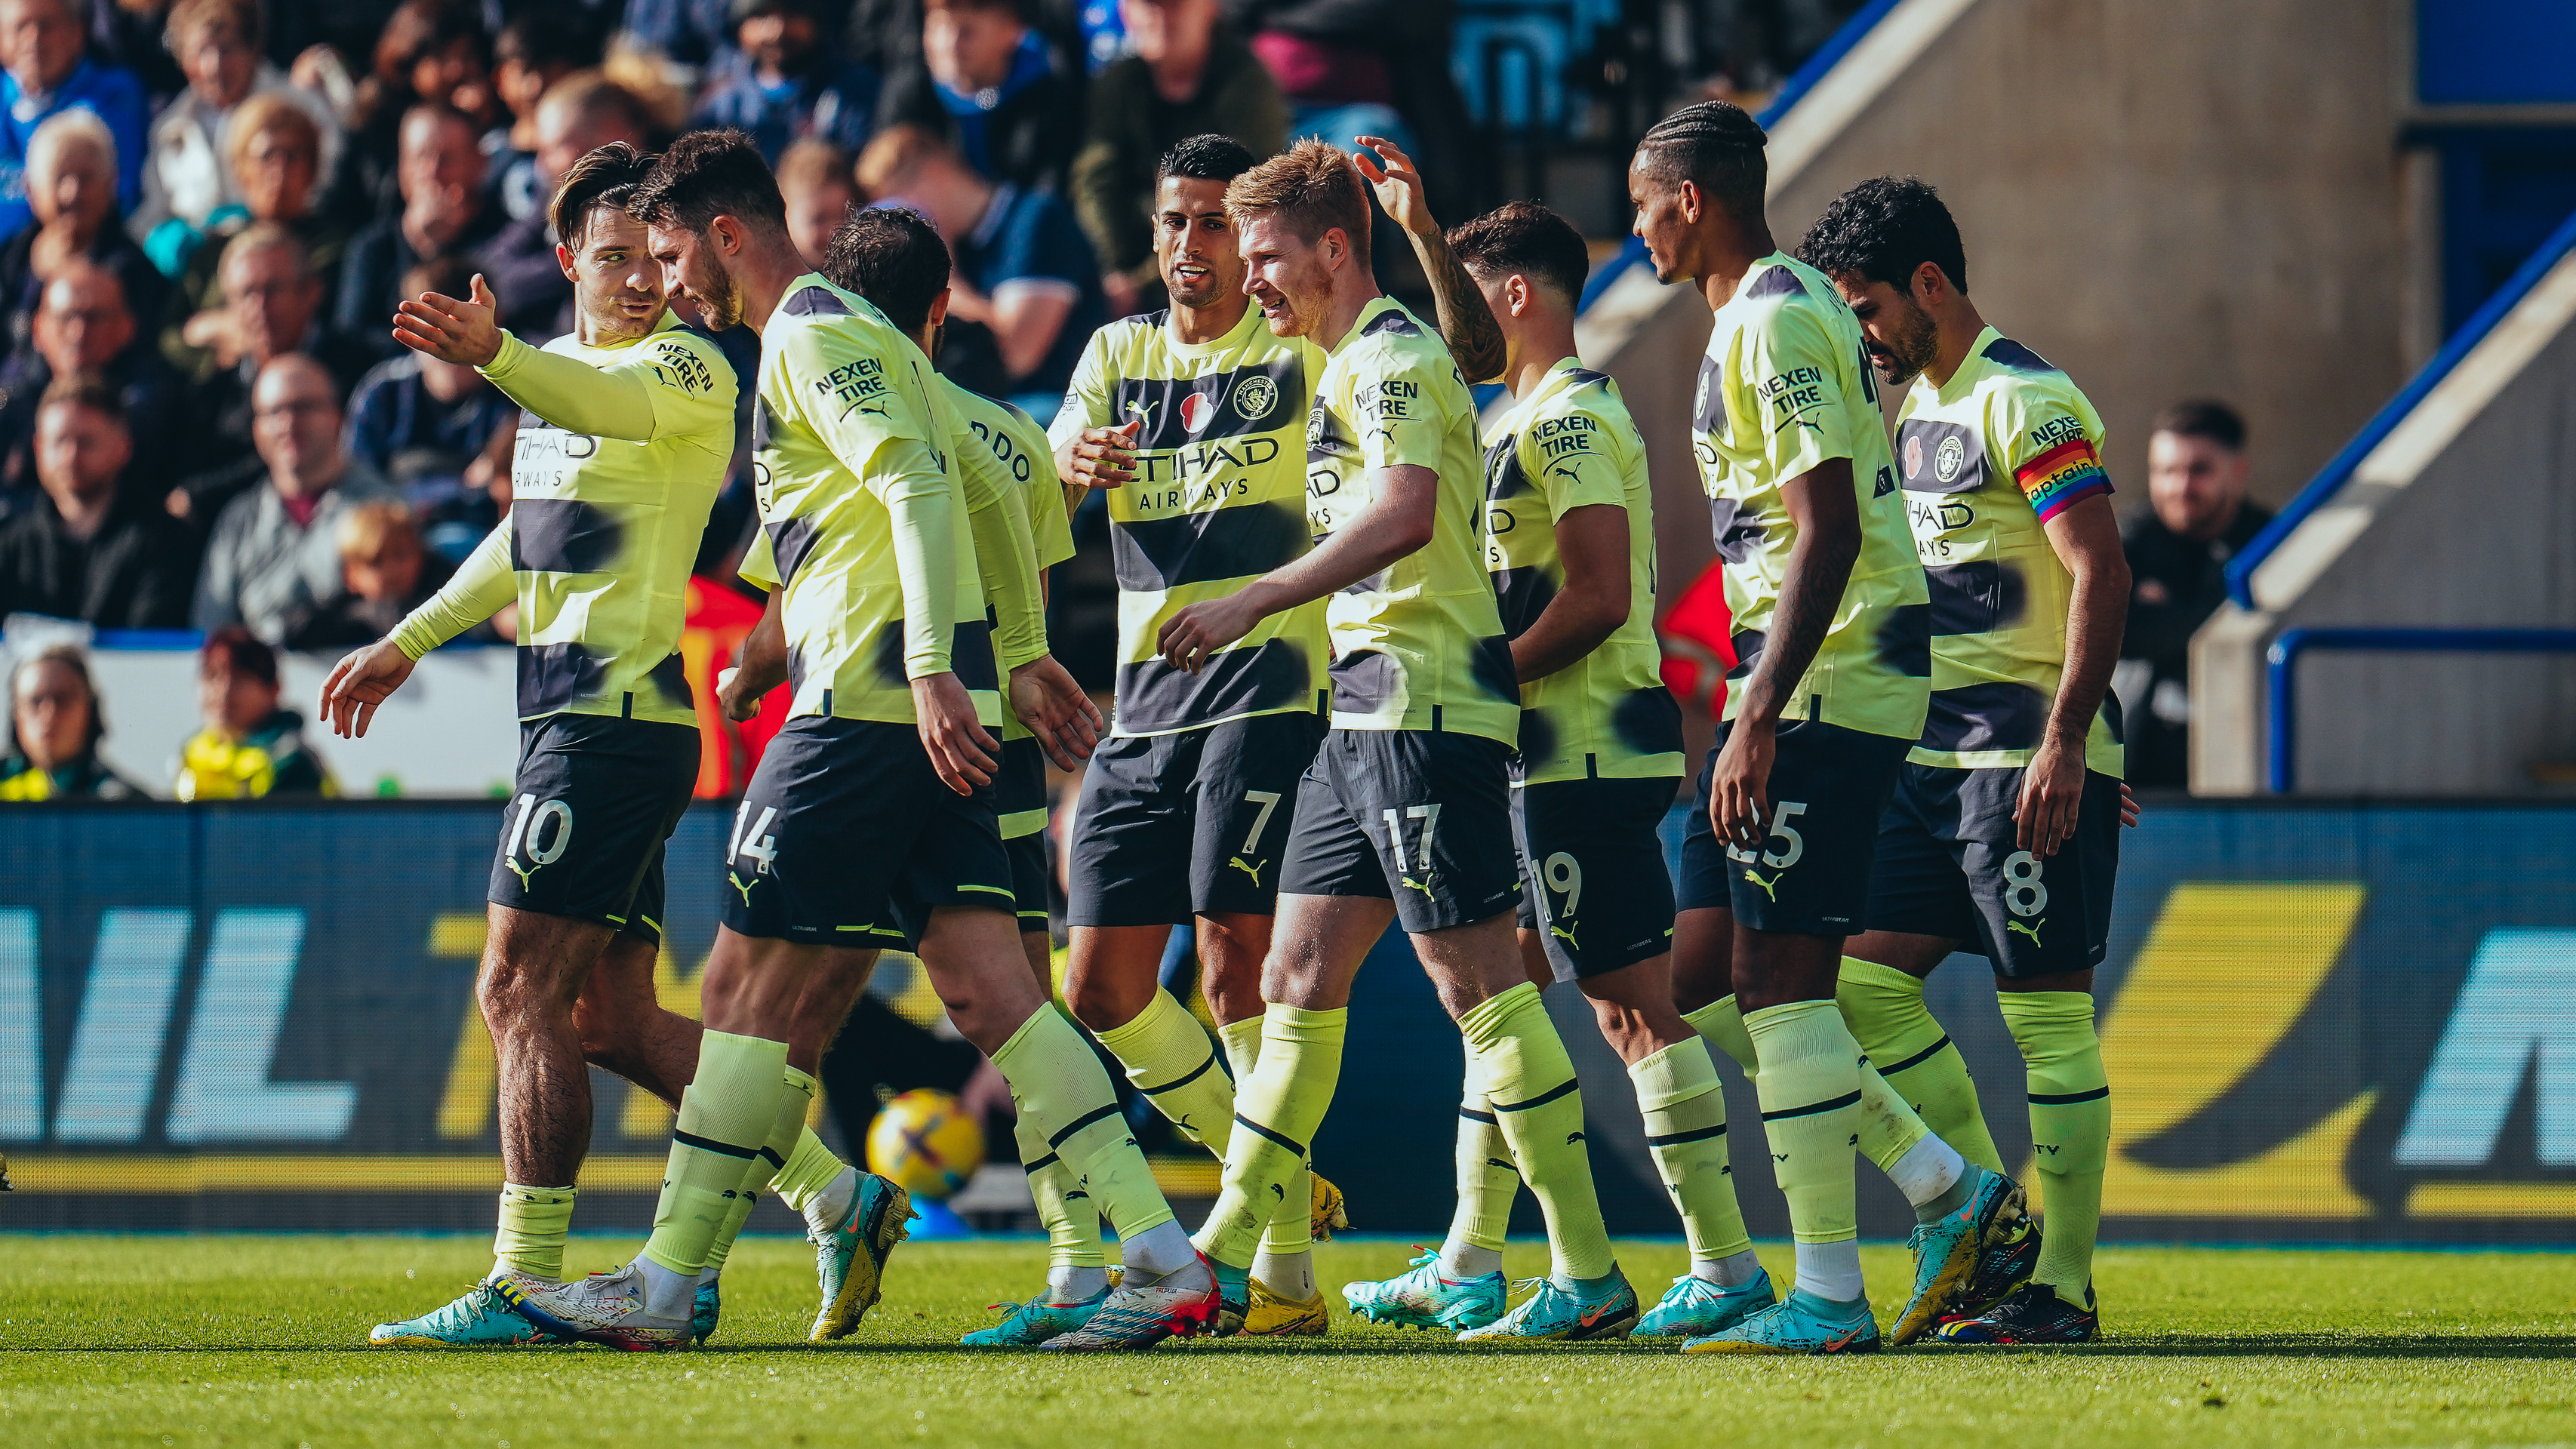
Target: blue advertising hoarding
<point>2320,1022</point>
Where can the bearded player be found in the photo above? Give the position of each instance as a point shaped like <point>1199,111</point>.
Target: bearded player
<point>2004,833</point>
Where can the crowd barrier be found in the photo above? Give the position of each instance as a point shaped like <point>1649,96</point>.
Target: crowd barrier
<point>2320,1023</point>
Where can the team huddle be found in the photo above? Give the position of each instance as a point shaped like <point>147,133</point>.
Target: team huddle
<point>1373,668</point>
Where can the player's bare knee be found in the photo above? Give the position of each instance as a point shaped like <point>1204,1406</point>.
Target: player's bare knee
<point>1106,1000</point>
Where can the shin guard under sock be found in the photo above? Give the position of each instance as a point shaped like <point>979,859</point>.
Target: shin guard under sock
<point>1810,1090</point>
<point>2070,1128</point>
<point>1685,1111</point>
<point>1530,1081</point>
<point>534,1223</point>
<point>1056,1079</point>
<point>1276,1112</point>
<point>1884,1009</point>
<point>725,1117</point>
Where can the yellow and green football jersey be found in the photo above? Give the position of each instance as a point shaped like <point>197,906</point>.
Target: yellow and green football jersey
<point>864,519</point>
<point>1218,500</point>
<point>1009,471</point>
<point>1571,444</point>
<point>602,531</point>
<point>1418,645</point>
<point>1785,387</point>
<point>1986,460</point>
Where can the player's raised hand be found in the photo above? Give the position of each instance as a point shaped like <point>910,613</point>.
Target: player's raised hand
<point>1067,724</point>
<point>362,680</point>
<point>450,329</point>
<point>960,750</point>
<point>1190,636</point>
<point>1103,457</point>
<point>1398,183</point>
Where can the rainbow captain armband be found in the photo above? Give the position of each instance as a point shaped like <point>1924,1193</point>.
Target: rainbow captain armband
<point>2056,479</point>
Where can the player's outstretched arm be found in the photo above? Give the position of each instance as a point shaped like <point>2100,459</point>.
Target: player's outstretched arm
<point>368,677</point>
<point>1592,544</point>
<point>1399,522</point>
<point>1826,512</point>
<point>571,395</point>
<point>1466,323</point>
<point>2087,539</point>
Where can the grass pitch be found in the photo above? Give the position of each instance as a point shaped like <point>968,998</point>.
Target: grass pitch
<point>250,1340</point>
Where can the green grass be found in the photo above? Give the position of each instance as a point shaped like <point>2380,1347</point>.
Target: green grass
<point>248,1340</point>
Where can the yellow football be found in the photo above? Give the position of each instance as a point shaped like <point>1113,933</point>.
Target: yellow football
<point>926,1141</point>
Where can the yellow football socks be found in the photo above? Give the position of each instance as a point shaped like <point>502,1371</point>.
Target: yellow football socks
<point>725,1116</point>
<point>1056,1079</point>
<point>1167,1054</point>
<point>1884,1009</point>
<point>794,1105</point>
<point>1723,1027</point>
<point>2070,1128</point>
<point>1809,1084</point>
<point>1685,1111</point>
<point>1280,1105</point>
<point>810,1170</point>
<point>1064,1203</point>
<point>534,1224</point>
<point>1530,1081</point>
<point>1488,1180</point>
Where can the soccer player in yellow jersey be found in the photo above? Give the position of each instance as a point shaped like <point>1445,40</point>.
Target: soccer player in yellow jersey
<point>628,428</point>
<point>1193,420</point>
<point>2004,833</point>
<point>1405,814</point>
<point>1831,628</point>
<point>870,820</point>
<point>1570,545</point>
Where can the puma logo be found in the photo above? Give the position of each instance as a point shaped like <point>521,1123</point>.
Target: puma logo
<point>1573,1137</point>
<point>523,875</point>
<point>1279,1191</point>
<point>1253,871</point>
<point>1411,884</point>
<point>1498,1162</point>
<point>743,886</point>
<point>1770,887</point>
<point>2030,931</point>
<point>1567,935</point>
<point>1077,1192</point>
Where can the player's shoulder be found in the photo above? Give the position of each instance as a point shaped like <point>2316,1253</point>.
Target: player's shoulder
<point>1785,301</point>
<point>1123,344</point>
<point>2016,384</point>
<point>690,357</point>
<point>815,310</point>
<point>1394,343</point>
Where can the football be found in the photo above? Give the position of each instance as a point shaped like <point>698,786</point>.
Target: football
<point>926,1141</point>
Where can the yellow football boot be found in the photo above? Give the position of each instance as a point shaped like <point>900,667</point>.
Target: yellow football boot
<point>1271,1316</point>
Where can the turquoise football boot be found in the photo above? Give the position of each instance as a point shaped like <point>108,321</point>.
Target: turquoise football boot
<point>1695,1307</point>
<point>704,1310</point>
<point>850,1258</point>
<point>483,1318</point>
<point>1802,1323</point>
<point>1033,1323</point>
<point>1424,1297</point>
<point>1948,1250</point>
<point>1558,1313</point>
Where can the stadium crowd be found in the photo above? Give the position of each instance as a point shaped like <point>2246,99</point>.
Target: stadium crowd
<point>209,208</point>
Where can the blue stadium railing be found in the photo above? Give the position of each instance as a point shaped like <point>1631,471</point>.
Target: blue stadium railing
<point>2283,662</point>
<point>1792,91</point>
<point>2338,471</point>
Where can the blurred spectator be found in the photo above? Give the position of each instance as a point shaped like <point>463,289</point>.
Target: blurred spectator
<point>530,56</point>
<point>249,748</point>
<point>275,149</point>
<point>790,85</point>
<point>189,184</point>
<point>1189,74</point>
<point>1024,271</point>
<point>431,52</point>
<point>694,34</point>
<point>272,306</point>
<point>443,212</point>
<point>96,554</point>
<point>1104,34</point>
<point>990,83</point>
<point>385,572</point>
<point>55,724</point>
<point>84,327</point>
<point>273,553</point>
<point>1330,59</point>
<point>422,424</point>
<point>71,178</point>
<point>2178,549</point>
<point>816,178</point>
<point>131,35</point>
<point>44,43</point>
<point>583,112</point>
